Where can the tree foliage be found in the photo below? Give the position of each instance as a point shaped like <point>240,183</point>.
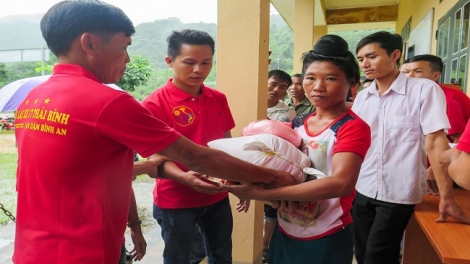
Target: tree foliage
<point>138,72</point>
<point>3,74</point>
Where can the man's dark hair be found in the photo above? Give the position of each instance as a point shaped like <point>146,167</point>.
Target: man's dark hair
<point>435,62</point>
<point>280,76</point>
<point>406,61</point>
<point>333,48</point>
<point>66,20</point>
<point>386,40</point>
<point>298,75</point>
<point>190,37</point>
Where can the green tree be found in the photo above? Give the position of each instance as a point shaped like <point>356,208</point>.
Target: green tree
<point>138,72</point>
<point>3,74</point>
<point>44,67</point>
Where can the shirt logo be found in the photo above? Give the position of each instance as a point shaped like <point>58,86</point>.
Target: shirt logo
<point>183,115</point>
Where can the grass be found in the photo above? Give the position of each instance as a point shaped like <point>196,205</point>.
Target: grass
<point>7,184</point>
<point>6,132</point>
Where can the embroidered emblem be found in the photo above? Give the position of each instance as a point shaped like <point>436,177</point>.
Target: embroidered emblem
<point>183,115</point>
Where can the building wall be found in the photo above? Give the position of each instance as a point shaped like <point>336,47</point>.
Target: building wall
<point>417,9</point>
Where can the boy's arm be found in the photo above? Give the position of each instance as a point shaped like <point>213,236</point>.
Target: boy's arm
<point>437,143</point>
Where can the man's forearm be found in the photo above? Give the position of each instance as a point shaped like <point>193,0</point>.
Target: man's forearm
<point>437,143</point>
<point>133,215</point>
<point>170,170</point>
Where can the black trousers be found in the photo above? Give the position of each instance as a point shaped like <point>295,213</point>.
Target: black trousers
<point>378,229</point>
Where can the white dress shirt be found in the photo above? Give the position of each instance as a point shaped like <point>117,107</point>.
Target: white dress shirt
<point>394,169</point>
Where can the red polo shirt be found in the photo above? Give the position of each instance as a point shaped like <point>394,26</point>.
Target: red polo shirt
<point>458,109</point>
<point>201,119</point>
<point>75,142</point>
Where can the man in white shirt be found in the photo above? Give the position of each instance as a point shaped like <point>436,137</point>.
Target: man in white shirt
<point>407,117</point>
<point>278,82</point>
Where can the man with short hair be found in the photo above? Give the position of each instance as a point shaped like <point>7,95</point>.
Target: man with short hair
<point>407,118</point>
<point>458,104</point>
<point>76,138</point>
<point>278,83</point>
<point>183,207</point>
<point>298,101</point>
<point>404,66</point>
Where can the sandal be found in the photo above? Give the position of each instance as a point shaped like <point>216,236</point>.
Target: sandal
<point>264,258</point>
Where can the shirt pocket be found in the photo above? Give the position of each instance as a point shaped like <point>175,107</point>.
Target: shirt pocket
<point>405,128</point>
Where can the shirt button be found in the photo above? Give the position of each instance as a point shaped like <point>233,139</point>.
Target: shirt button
<point>193,99</point>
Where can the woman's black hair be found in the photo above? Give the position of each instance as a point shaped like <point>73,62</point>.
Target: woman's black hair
<point>334,49</point>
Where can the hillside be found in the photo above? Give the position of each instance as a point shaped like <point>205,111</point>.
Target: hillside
<point>150,38</point>
<point>21,32</point>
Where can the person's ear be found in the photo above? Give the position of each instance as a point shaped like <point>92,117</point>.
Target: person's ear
<point>396,54</point>
<point>352,83</point>
<point>88,42</point>
<point>436,75</point>
<point>169,61</point>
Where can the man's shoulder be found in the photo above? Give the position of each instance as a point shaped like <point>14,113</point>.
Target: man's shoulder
<point>423,82</point>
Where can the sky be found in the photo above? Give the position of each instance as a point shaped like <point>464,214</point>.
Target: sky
<point>139,11</point>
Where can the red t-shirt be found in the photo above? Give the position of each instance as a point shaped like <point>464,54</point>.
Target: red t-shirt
<point>201,119</point>
<point>458,109</point>
<point>464,141</point>
<point>75,142</point>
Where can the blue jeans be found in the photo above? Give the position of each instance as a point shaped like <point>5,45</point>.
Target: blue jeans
<point>178,230</point>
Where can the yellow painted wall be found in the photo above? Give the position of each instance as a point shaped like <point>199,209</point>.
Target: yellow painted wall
<point>242,74</point>
<point>417,9</point>
<point>303,30</point>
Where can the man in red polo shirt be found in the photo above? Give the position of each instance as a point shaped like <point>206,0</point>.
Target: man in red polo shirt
<point>76,139</point>
<point>201,114</point>
<point>458,104</point>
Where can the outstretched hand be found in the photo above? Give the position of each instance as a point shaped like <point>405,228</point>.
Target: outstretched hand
<point>245,191</point>
<point>281,179</point>
<point>197,181</point>
<point>448,207</point>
